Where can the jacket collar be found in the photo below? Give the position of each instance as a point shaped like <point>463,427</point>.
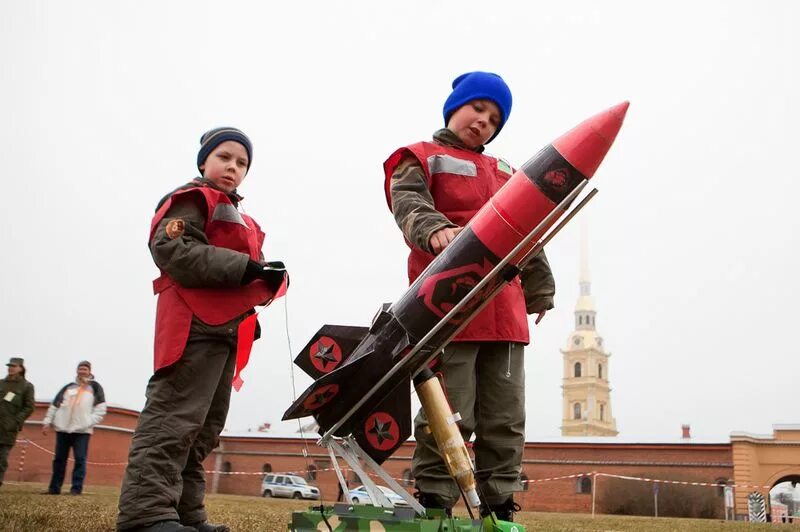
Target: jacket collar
<point>447,138</point>
<point>233,196</point>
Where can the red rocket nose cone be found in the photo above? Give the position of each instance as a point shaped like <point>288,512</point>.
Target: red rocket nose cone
<point>586,145</point>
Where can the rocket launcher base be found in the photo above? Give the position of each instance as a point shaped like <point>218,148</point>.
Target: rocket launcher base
<point>342,517</point>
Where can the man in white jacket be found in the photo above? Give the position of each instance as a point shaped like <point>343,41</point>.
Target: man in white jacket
<point>78,406</point>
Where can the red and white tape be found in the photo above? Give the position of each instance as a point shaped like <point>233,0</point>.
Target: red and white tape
<point>682,482</point>
<point>528,481</point>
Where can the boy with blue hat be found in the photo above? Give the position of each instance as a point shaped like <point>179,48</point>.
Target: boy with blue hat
<point>213,274</point>
<point>434,188</point>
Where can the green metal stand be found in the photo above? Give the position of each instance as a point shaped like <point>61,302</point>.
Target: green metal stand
<point>347,517</point>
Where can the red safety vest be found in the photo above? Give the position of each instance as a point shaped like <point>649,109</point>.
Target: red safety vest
<point>461,182</point>
<point>225,227</point>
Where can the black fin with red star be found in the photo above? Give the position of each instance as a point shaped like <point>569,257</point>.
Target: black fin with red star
<point>333,394</point>
<point>328,348</point>
<point>388,425</point>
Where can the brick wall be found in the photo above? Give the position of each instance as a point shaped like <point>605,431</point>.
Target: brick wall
<point>252,454</point>
<point>32,462</point>
<point>684,461</point>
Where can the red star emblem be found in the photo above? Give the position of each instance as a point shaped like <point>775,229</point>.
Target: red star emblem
<point>382,431</point>
<point>321,397</point>
<point>325,354</point>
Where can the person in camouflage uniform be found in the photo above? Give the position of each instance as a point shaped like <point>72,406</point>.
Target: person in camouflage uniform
<point>483,370</point>
<point>213,275</point>
<point>16,405</point>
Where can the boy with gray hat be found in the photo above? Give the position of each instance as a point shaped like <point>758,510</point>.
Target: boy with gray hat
<point>16,404</point>
<point>212,277</point>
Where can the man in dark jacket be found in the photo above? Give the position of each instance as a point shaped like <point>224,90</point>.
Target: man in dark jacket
<point>16,404</point>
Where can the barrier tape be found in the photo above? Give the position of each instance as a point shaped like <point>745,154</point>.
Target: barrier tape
<point>48,451</point>
<point>22,458</point>
<point>576,475</point>
<point>402,480</point>
<point>683,482</point>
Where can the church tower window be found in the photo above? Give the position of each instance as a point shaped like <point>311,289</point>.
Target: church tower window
<point>599,371</point>
<point>576,411</point>
<point>577,369</point>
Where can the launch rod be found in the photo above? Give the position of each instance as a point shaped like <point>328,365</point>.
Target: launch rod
<point>546,240</point>
<point>554,214</point>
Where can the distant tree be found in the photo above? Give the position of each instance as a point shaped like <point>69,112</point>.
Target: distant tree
<point>787,499</point>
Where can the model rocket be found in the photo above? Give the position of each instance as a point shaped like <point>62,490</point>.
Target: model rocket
<point>363,374</point>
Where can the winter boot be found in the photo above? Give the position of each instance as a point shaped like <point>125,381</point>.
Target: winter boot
<point>433,502</point>
<point>205,526</point>
<point>503,511</point>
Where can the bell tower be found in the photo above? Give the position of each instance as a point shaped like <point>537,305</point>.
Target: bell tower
<point>585,387</point>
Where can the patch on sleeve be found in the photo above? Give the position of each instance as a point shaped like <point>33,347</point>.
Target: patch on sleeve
<point>175,228</point>
<point>503,166</point>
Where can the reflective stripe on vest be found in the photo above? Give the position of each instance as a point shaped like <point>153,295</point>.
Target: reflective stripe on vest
<point>447,164</point>
<point>226,212</point>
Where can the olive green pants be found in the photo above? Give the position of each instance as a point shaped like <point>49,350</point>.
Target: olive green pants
<point>187,404</point>
<point>485,383</point>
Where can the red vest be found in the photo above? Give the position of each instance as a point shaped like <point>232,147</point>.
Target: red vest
<point>461,182</point>
<point>225,227</point>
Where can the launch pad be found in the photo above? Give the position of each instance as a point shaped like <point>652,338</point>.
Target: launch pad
<point>343,516</point>
<point>382,514</point>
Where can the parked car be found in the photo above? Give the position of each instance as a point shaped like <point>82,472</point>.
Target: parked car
<point>290,486</point>
<point>360,495</point>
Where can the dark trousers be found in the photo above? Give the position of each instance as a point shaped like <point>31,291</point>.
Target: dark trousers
<point>187,404</point>
<point>4,450</point>
<point>79,443</point>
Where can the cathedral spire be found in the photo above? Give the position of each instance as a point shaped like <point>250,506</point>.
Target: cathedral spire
<point>585,281</point>
<point>586,391</point>
<point>584,308</point>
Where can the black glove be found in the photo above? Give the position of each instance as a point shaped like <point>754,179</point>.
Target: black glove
<point>272,273</point>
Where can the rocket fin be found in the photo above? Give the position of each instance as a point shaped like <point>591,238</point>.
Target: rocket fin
<point>329,348</point>
<point>330,396</point>
<point>387,425</point>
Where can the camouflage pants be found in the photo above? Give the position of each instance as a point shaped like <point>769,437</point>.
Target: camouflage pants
<point>187,404</point>
<point>485,383</point>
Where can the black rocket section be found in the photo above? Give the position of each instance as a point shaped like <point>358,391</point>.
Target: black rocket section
<point>459,268</point>
<point>553,174</point>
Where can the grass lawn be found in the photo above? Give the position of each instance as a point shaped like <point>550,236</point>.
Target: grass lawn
<point>23,508</point>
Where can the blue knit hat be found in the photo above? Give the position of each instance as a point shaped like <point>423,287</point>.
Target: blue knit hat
<point>479,86</point>
<point>214,137</point>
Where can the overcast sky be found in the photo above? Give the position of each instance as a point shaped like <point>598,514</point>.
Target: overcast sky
<point>693,239</point>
